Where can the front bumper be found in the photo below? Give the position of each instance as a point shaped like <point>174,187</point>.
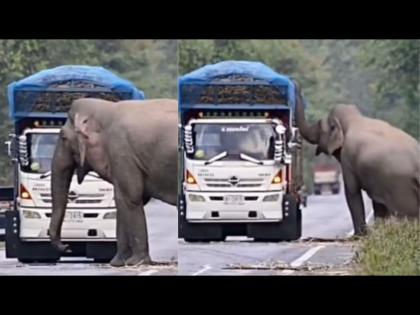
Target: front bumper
<point>92,226</point>
<point>253,208</point>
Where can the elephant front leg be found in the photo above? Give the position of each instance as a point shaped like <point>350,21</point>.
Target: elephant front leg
<point>354,199</point>
<point>123,248</point>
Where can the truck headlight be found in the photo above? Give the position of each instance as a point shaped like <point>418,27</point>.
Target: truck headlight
<point>110,215</point>
<point>274,197</point>
<point>193,197</point>
<point>31,214</point>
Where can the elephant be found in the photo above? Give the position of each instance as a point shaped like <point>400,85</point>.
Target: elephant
<point>131,144</point>
<point>375,157</point>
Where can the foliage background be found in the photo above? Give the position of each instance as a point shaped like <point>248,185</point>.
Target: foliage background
<point>150,64</point>
<point>380,76</point>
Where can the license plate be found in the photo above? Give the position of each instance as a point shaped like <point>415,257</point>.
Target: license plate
<point>234,199</point>
<point>74,216</point>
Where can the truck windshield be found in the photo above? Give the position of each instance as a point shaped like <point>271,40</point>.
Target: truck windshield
<point>42,146</point>
<point>255,140</point>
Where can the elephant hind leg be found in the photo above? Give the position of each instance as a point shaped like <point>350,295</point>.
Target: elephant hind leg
<point>380,211</point>
<point>135,227</point>
<point>403,201</point>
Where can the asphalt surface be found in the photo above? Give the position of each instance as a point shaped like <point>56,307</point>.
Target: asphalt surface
<point>326,217</point>
<point>162,226</point>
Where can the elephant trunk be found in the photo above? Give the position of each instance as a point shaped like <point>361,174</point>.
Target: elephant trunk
<point>62,170</point>
<point>310,133</point>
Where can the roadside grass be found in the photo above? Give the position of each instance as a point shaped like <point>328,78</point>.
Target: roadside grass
<point>392,247</point>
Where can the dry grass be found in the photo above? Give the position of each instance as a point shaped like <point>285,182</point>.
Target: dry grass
<point>391,248</point>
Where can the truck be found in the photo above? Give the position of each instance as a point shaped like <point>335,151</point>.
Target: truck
<point>326,178</point>
<point>240,169</point>
<point>38,107</point>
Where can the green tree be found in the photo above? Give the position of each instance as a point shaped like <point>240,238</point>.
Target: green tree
<point>396,64</point>
<point>150,64</point>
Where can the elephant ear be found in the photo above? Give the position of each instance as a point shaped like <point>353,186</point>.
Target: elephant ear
<point>84,127</point>
<point>336,136</point>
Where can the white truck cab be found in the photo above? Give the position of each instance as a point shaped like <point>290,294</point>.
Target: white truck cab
<point>231,173</point>
<point>91,208</point>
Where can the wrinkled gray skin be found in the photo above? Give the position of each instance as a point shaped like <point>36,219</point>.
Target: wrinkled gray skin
<point>131,144</point>
<point>375,157</point>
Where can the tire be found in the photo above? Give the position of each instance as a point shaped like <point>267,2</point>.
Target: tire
<point>207,240</point>
<point>289,229</point>
<point>198,232</point>
<point>101,260</point>
<point>39,261</point>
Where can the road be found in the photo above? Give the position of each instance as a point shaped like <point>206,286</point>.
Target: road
<point>163,233</point>
<point>326,217</point>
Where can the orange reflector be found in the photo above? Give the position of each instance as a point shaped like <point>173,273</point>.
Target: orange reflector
<point>277,179</point>
<point>24,193</point>
<point>190,178</point>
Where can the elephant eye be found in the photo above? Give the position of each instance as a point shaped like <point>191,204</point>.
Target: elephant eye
<point>332,128</point>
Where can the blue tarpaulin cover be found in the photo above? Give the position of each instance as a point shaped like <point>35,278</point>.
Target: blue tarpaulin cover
<point>87,74</point>
<point>255,70</point>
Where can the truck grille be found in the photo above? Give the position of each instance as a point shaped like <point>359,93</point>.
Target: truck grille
<point>85,215</point>
<point>220,198</point>
<point>81,199</point>
<point>224,182</point>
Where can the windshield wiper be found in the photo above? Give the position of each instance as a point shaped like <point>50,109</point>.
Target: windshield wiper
<point>250,159</point>
<point>216,158</point>
<point>45,175</point>
<point>48,173</point>
<point>93,175</point>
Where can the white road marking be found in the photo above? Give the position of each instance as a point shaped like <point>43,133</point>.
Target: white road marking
<point>148,272</point>
<point>243,271</point>
<point>370,215</point>
<point>202,270</point>
<point>287,272</point>
<point>308,254</point>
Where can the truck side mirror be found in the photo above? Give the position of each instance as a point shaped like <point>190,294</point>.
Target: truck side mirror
<point>11,145</point>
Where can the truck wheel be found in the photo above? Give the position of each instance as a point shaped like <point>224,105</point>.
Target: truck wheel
<point>289,229</point>
<point>40,261</point>
<point>101,260</point>
<point>336,191</point>
<point>197,232</point>
<point>207,240</point>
